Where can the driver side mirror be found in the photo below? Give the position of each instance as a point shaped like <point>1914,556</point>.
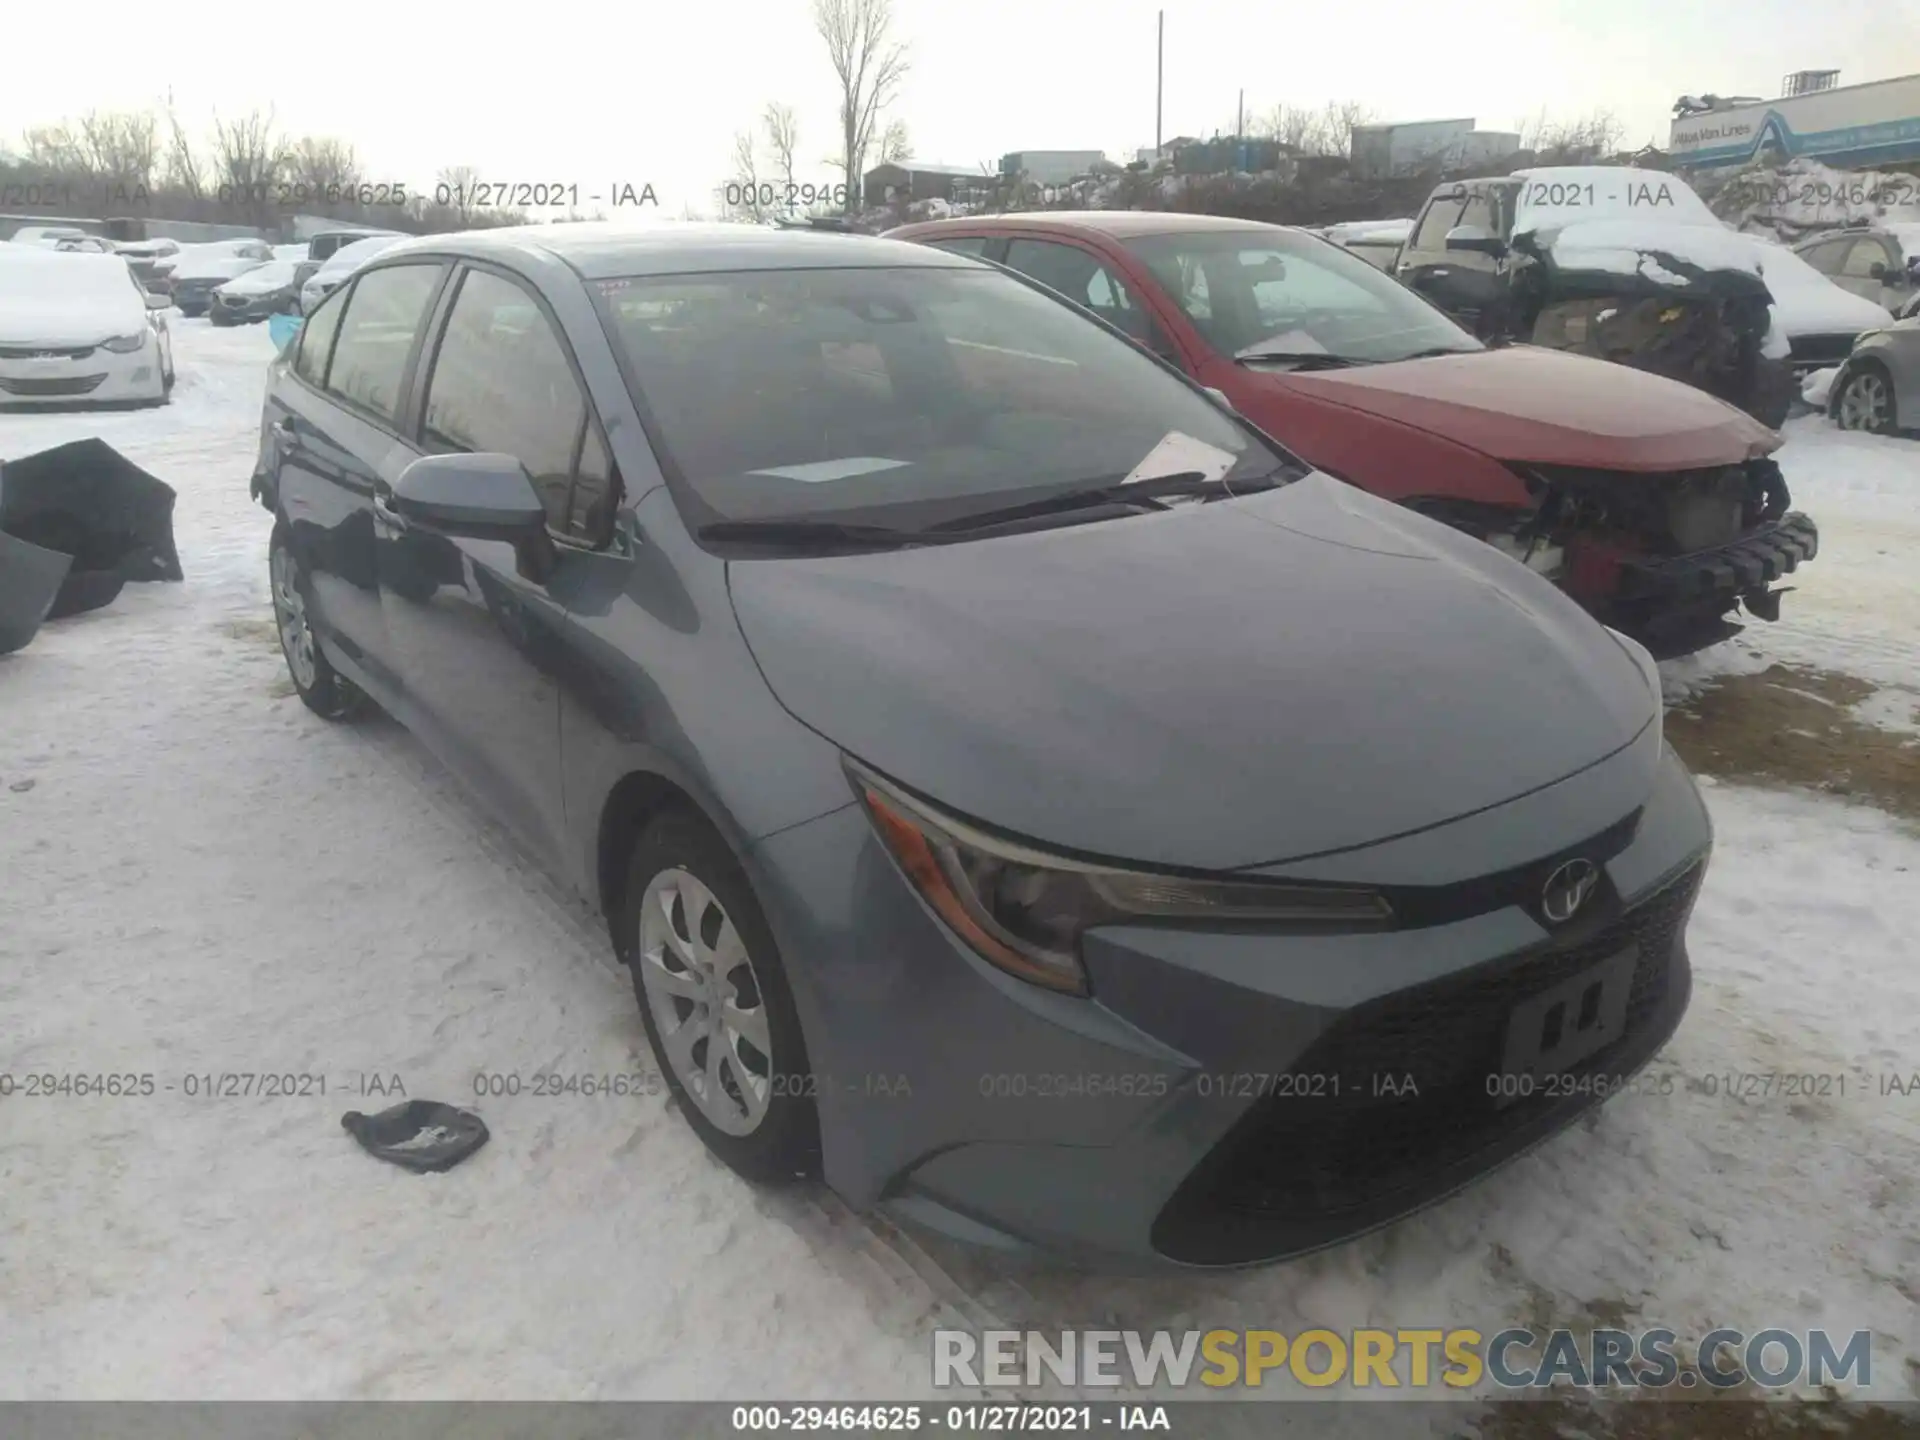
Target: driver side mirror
<point>1877,271</point>
<point>1473,238</point>
<point>158,302</point>
<point>479,497</point>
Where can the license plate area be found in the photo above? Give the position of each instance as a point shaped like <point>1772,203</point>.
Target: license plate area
<point>1554,1031</point>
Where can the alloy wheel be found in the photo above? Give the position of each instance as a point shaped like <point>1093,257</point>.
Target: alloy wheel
<point>1866,403</point>
<point>706,1001</point>
<point>290,612</point>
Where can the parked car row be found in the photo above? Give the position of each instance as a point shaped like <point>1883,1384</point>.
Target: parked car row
<point>995,705</point>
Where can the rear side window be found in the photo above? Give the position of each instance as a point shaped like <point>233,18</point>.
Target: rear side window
<point>383,313</point>
<point>502,384</point>
<point>961,244</point>
<point>1862,258</point>
<point>1086,280</point>
<point>316,341</point>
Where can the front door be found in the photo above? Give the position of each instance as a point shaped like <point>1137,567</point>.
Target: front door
<point>475,627</point>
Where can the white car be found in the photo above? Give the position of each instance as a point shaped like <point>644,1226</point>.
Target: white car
<point>48,235</point>
<point>77,328</point>
<point>343,262</point>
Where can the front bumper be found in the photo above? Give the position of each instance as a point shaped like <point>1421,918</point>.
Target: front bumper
<point>1218,1101</point>
<point>93,376</point>
<point>1677,604</point>
<point>193,296</point>
<point>252,308</point>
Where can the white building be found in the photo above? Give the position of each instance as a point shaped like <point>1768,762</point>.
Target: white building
<point>1396,149</point>
<point>1050,167</point>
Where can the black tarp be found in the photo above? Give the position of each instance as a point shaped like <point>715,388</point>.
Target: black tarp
<point>88,501</point>
<point>29,579</point>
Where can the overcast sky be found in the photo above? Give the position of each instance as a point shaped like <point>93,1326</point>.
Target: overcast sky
<point>573,93</point>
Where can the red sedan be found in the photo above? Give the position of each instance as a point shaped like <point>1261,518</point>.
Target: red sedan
<point>1652,503</point>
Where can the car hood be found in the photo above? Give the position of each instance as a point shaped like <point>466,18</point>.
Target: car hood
<point>214,271</point>
<point>250,284</point>
<point>1537,406</point>
<point>70,319</point>
<point>1217,686</point>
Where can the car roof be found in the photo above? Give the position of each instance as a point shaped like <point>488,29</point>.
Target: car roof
<point>607,250</point>
<point>1115,224</point>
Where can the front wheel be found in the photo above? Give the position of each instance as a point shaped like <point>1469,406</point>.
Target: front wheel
<point>1865,402</point>
<point>715,1002</point>
<point>327,693</point>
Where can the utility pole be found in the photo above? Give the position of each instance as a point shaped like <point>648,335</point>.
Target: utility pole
<point>1159,85</point>
<point>1239,133</point>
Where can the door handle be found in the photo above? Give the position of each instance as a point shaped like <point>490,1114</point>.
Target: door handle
<point>282,433</point>
<point>383,502</point>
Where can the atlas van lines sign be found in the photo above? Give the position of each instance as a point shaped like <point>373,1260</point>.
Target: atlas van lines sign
<point>1861,125</point>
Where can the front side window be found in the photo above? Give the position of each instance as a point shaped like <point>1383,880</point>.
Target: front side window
<point>1269,291</point>
<point>383,314</point>
<point>502,385</point>
<point>1442,215</point>
<point>1478,213</point>
<point>903,396</point>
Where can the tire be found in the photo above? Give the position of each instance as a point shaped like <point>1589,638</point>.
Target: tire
<point>763,1123</point>
<point>324,691</point>
<point>1863,400</point>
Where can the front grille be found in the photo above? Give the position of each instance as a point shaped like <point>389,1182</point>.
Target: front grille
<point>1304,1161</point>
<point>44,352</point>
<point>1820,350</point>
<point>76,386</point>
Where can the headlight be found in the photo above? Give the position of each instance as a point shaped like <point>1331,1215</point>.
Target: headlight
<point>125,344</point>
<point>1024,910</point>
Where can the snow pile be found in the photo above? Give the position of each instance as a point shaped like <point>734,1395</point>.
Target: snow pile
<point>1818,387</point>
<point>1803,197</point>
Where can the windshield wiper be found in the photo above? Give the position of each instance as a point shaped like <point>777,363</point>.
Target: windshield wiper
<point>1151,493</point>
<point>809,532</point>
<point>1299,359</point>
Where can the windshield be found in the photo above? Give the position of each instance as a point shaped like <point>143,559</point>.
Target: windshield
<point>906,396</point>
<point>1249,291</point>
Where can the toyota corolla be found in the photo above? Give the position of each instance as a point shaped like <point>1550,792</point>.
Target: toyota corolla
<point>1022,794</point>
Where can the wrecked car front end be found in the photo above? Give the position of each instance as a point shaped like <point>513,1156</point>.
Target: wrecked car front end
<point>1643,300</point>
<point>1666,557</point>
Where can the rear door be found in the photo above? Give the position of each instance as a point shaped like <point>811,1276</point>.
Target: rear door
<point>1468,284</point>
<point>479,640</point>
<point>333,428</point>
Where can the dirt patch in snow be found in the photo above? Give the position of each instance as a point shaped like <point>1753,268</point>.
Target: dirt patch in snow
<point>1797,725</point>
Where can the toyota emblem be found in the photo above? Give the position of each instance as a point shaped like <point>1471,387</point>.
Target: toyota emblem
<point>1567,890</point>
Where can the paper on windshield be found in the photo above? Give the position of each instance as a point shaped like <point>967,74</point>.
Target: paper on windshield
<point>1177,453</point>
<point>820,470</point>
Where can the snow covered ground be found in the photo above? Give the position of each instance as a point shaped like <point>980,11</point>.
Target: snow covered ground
<point>197,877</point>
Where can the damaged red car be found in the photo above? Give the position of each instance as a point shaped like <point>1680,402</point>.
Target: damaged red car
<point>1655,505</point>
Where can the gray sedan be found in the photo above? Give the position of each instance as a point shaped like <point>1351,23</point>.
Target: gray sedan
<point>1880,381</point>
<point>1024,794</point>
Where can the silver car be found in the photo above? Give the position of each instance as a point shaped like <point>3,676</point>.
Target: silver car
<point>1880,263</point>
<point>1880,381</point>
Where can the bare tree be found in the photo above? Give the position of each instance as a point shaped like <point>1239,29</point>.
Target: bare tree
<point>1327,130</point>
<point>322,166</point>
<point>119,146</point>
<point>895,144</point>
<point>870,67</point>
<point>1588,137</point>
<point>182,168</point>
<point>746,197</point>
<point>248,159</point>
<point>461,186</point>
<point>783,139</point>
